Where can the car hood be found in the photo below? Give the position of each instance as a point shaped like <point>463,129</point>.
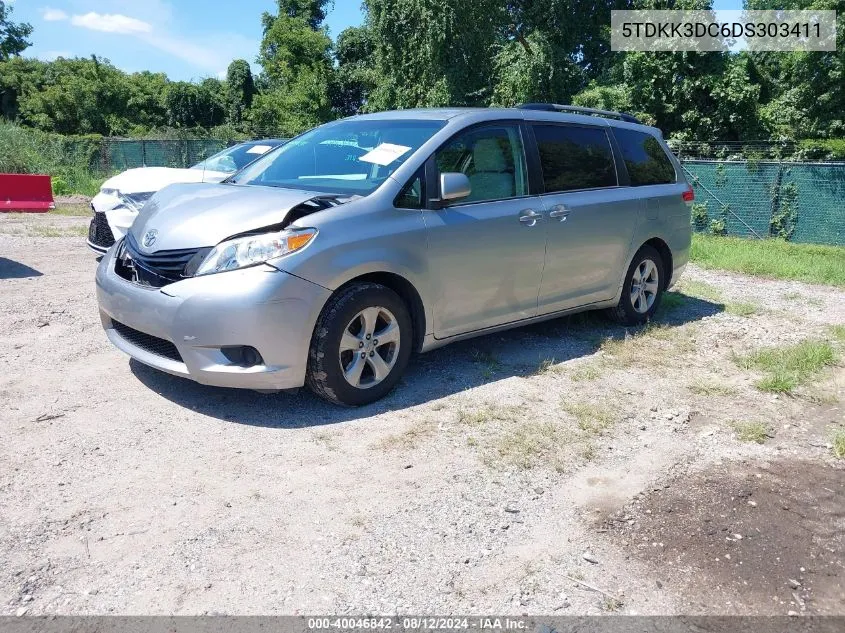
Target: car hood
<point>199,215</point>
<point>147,179</point>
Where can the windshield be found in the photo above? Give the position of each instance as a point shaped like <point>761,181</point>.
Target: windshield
<point>351,157</point>
<point>234,158</point>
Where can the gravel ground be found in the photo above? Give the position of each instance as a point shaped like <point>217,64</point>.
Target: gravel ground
<point>539,471</point>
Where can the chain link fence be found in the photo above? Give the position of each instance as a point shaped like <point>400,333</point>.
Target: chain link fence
<point>800,202</point>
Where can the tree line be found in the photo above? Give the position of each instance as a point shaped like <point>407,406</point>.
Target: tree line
<point>428,53</point>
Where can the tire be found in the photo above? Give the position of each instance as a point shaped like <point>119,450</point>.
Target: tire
<point>631,309</point>
<point>334,366</point>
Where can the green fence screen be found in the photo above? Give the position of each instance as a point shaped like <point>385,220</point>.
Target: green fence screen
<point>801,202</point>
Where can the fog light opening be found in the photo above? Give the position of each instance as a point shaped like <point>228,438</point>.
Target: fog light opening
<point>243,356</point>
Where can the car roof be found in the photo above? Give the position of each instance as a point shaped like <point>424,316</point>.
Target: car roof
<point>493,114</point>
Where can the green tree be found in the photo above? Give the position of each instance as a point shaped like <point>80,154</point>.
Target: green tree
<point>434,52</point>
<point>296,57</point>
<point>13,36</point>
<point>240,90</point>
<point>355,74</point>
<point>195,105</point>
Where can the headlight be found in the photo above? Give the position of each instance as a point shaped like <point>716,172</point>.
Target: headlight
<point>254,249</point>
<point>109,192</point>
<point>135,201</point>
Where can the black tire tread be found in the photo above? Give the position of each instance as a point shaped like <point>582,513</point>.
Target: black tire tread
<point>316,375</point>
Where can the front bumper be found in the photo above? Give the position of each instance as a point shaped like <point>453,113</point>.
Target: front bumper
<point>181,328</point>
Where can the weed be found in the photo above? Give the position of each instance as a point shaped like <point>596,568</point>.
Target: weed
<point>591,418</point>
<point>741,309</point>
<point>788,367</point>
<point>838,441</point>
<point>479,415</point>
<point>547,366</point>
<point>587,372</point>
<point>609,603</point>
<point>838,333</point>
<point>489,362</point>
<point>701,290</point>
<point>704,388</point>
<point>757,432</point>
<point>410,438</point>
<point>529,445</point>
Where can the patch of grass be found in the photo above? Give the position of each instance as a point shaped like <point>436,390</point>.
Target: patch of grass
<point>771,258</point>
<point>610,603</point>
<point>547,366</point>
<point>530,445</point>
<point>704,388</point>
<point>587,372</point>
<point>591,418</point>
<point>671,301</point>
<point>489,362</point>
<point>485,413</point>
<point>410,438</point>
<point>786,368</point>
<point>38,230</point>
<point>838,332</point>
<point>73,210</point>
<point>838,441</point>
<point>652,345</point>
<point>757,432</point>
<point>741,309</point>
<point>701,290</point>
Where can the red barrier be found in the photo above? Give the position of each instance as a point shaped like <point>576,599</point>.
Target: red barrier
<point>26,192</point>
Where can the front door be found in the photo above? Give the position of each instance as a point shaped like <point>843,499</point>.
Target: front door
<point>486,251</point>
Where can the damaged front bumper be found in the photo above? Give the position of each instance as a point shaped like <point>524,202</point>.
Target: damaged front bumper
<point>189,328</point>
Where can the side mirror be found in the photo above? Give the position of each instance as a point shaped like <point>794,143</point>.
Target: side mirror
<point>454,186</point>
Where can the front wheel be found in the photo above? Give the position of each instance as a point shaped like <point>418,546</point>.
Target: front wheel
<point>361,345</point>
<point>642,290</point>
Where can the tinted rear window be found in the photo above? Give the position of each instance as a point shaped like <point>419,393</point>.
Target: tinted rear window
<point>575,157</point>
<point>644,157</point>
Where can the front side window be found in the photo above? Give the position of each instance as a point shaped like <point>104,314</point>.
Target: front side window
<point>645,159</point>
<point>492,158</point>
<point>352,157</point>
<point>574,157</point>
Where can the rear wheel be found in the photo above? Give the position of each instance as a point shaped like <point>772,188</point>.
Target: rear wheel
<point>361,345</point>
<point>642,290</point>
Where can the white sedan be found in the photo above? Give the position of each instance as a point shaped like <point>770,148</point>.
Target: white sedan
<point>122,197</point>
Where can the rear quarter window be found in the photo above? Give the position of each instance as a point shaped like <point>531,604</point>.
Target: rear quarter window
<point>645,158</point>
<point>574,157</point>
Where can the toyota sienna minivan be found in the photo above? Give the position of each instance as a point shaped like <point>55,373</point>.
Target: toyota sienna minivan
<point>329,260</point>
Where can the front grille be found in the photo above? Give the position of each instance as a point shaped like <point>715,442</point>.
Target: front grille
<point>99,231</point>
<point>152,269</point>
<point>147,342</point>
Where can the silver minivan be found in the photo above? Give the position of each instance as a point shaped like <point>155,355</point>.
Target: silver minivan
<point>331,259</point>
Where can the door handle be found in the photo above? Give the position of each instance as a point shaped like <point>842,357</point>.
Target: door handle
<point>559,211</point>
<point>529,217</point>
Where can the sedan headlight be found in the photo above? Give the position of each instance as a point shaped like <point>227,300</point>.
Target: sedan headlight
<point>135,201</point>
<point>251,250</point>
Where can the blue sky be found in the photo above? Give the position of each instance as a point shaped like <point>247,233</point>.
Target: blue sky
<point>187,39</point>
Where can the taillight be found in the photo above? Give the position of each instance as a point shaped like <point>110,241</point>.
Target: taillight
<point>688,195</point>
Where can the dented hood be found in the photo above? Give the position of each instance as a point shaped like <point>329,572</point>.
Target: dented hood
<point>197,215</point>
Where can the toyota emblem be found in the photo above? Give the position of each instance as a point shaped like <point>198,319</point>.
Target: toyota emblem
<point>150,238</point>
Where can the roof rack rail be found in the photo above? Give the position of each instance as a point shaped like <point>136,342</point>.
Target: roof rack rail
<point>554,107</point>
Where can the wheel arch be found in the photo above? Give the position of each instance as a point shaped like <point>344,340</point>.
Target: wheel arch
<point>406,291</point>
<point>665,254</point>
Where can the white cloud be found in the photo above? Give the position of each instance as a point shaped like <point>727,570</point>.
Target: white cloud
<point>111,23</point>
<point>53,15</point>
